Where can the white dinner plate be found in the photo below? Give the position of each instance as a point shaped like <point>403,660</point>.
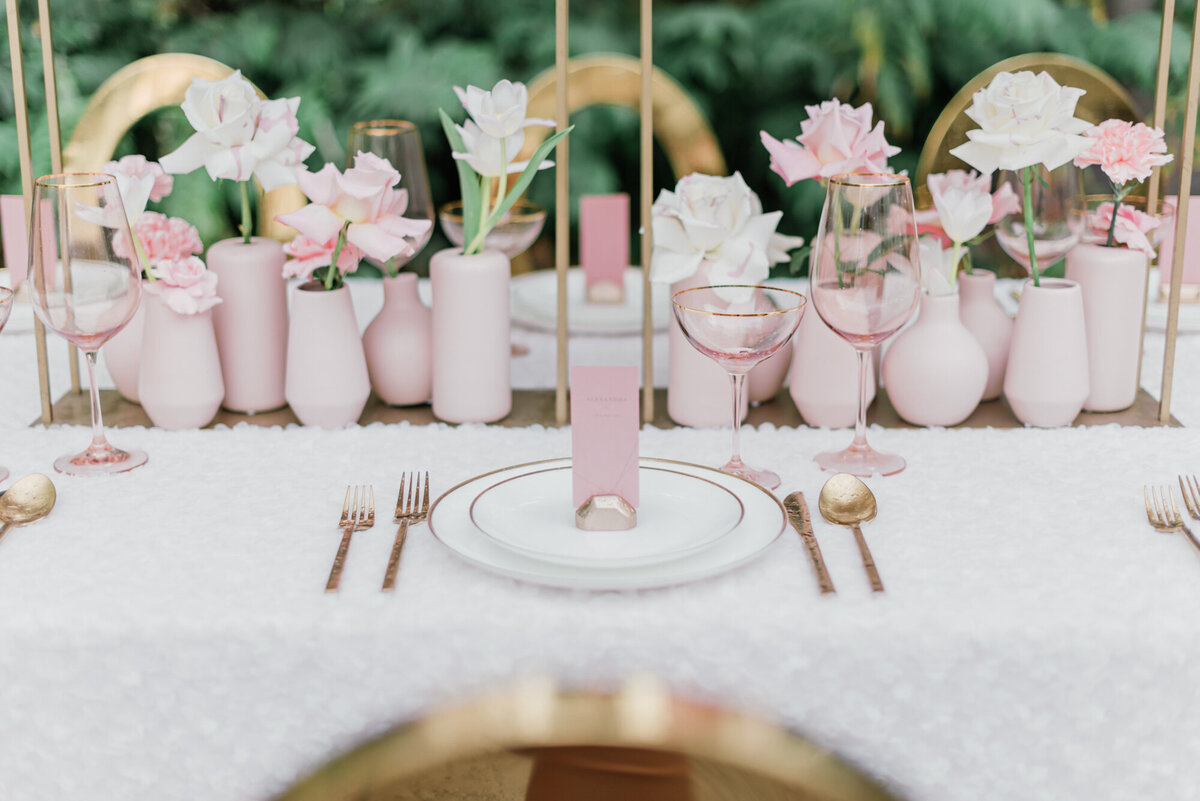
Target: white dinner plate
<point>532,514</point>
<point>534,303</point>
<point>761,524</point>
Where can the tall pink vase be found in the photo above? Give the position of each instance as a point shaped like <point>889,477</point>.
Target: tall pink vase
<point>399,346</point>
<point>123,354</point>
<point>1047,377</point>
<point>471,350</point>
<point>824,378</point>
<point>180,381</point>
<point>991,326</point>
<point>699,392</point>
<point>935,370</point>
<point>327,383</point>
<point>1113,283</point>
<point>251,322</point>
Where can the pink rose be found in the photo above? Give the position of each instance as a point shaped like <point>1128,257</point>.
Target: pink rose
<point>1124,150</point>
<point>1131,228</point>
<point>185,285</point>
<point>836,138</point>
<point>308,254</point>
<point>138,168</point>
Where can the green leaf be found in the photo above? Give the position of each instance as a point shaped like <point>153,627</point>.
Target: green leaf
<point>471,200</point>
<point>526,178</point>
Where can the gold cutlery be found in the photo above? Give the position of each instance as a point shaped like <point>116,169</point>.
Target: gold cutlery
<point>357,514</point>
<point>407,511</point>
<point>797,512</point>
<point>1164,515</point>
<point>26,501</point>
<point>1189,488</point>
<point>846,501</point>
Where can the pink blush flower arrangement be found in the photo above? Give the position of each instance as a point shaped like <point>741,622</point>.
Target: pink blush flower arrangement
<point>1127,153</point>
<point>185,285</point>
<point>162,237</point>
<point>308,254</point>
<point>1129,228</point>
<point>836,138</point>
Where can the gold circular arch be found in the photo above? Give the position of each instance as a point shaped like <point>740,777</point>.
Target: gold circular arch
<point>533,742</point>
<point>147,85</point>
<point>680,127</point>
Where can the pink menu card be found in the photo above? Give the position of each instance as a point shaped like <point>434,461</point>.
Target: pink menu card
<point>604,240</point>
<point>605,418</point>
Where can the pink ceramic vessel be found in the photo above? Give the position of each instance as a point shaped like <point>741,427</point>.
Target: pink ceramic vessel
<point>1047,378</point>
<point>327,383</point>
<point>180,380</point>
<point>399,345</point>
<point>987,321</point>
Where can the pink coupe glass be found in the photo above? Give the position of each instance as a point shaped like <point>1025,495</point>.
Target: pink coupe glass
<point>6,303</point>
<point>85,285</point>
<point>865,282</point>
<point>737,327</point>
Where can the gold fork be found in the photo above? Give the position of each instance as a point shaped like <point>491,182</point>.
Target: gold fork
<point>358,513</point>
<point>1164,515</point>
<point>407,511</point>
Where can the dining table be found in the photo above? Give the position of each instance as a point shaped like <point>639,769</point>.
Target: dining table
<point>165,633</point>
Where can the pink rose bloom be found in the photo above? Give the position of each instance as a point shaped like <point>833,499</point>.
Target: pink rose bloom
<point>185,285</point>
<point>365,201</point>
<point>836,138</point>
<point>1130,231</point>
<point>308,254</point>
<point>1124,150</point>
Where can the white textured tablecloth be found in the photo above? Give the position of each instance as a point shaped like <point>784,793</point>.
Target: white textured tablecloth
<point>165,635</point>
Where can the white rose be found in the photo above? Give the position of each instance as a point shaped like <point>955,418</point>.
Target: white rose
<point>1024,119</point>
<point>717,222</point>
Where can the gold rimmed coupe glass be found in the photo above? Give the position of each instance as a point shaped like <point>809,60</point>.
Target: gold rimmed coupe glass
<point>865,282</point>
<point>738,326</point>
<point>84,285</point>
<point>6,304</point>
<point>398,141</point>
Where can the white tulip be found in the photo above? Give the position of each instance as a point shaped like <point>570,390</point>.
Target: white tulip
<point>500,112</point>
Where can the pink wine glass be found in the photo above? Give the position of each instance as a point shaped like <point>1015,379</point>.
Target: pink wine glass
<point>6,304</point>
<point>85,285</point>
<point>738,326</point>
<point>865,282</point>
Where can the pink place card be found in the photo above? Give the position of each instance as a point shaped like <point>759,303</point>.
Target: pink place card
<point>604,244</point>
<point>14,237</point>
<point>605,418</point>
<point>1191,253</point>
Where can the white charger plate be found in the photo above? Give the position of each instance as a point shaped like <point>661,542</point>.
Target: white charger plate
<point>532,514</point>
<point>763,522</point>
<point>534,303</point>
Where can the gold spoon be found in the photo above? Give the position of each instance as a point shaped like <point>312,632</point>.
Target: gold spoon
<point>26,501</point>
<point>846,501</point>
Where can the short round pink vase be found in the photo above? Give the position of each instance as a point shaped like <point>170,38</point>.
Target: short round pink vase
<point>399,345</point>
<point>251,322</point>
<point>1046,381</point>
<point>180,381</point>
<point>824,376</point>
<point>1113,284</point>
<point>327,384</point>
<point>935,371</point>
<point>122,354</point>
<point>987,321</point>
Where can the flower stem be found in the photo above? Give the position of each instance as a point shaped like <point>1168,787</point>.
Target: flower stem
<point>333,270</point>
<point>389,267</point>
<point>485,186</point>
<point>1118,195</point>
<point>141,252</point>
<point>247,224</point>
<point>1027,180</point>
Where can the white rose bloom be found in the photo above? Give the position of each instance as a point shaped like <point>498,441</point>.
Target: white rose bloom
<point>1024,119</point>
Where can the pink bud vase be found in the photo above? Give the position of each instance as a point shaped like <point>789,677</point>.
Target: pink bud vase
<point>764,381</point>
<point>123,354</point>
<point>986,319</point>
<point>1113,283</point>
<point>698,389</point>
<point>935,370</point>
<point>180,380</point>
<point>327,383</point>
<point>1047,377</point>
<point>824,382</point>
<point>251,322</point>
<point>398,345</point>
<point>471,350</point>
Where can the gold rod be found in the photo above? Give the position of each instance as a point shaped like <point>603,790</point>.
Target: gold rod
<point>647,199</point>
<point>25,154</point>
<point>1160,116</point>
<point>1187,150</point>
<point>562,200</point>
<point>52,121</point>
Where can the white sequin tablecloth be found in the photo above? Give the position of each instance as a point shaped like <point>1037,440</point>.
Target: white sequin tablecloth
<point>165,634</point>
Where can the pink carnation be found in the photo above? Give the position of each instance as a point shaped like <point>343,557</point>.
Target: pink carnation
<point>185,285</point>
<point>1124,150</point>
<point>1131,229</point>
<point>836,138</point>
<point>307,254</point>
<point>138,168</point>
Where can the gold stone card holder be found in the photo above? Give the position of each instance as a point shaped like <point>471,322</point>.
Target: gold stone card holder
<point>605,513</point>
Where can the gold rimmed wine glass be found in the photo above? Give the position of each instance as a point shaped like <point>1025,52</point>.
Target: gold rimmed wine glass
<point>398,141</point>
<point>82,289</point>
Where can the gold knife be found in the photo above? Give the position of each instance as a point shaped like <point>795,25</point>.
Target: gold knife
<point>797,512</point>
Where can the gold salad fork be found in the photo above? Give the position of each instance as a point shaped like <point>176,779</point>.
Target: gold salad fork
<point>1164,515</point>
<point>410,508</point>
<point>358,513</point>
